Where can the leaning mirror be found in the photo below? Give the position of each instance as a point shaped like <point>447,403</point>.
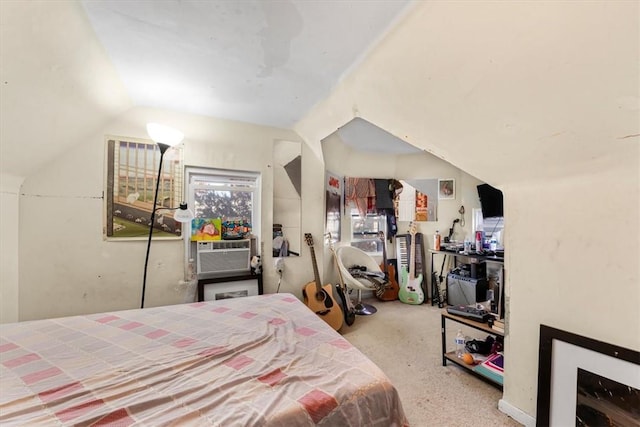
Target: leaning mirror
<point>418,200</point>
<point>287,182</point>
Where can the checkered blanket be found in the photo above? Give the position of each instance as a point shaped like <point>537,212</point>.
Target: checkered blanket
<point>254,361</point>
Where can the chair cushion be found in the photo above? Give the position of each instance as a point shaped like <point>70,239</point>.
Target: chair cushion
<point>348,257</point>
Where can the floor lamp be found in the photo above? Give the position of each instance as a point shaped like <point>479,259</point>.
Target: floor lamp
<point>165,137</point>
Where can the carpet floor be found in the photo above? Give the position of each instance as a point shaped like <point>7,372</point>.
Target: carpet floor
<point>405,342</point>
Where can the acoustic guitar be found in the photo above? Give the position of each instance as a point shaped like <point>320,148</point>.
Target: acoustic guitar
<point>320,298</point>
<point>391,289</point>
<point>410,285</point>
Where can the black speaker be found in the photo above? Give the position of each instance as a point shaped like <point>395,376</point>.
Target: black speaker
<point>478,270</point>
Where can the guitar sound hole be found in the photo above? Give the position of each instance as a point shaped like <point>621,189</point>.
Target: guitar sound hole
<point>322,296</point>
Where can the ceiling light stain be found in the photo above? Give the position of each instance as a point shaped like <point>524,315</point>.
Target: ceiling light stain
<point>283,24</point>
<point>190,45</point>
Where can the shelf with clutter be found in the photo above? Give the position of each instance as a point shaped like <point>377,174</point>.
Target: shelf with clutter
<point>483,358</point>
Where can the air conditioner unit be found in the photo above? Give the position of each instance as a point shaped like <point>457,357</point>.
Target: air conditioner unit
<point>221,257</point>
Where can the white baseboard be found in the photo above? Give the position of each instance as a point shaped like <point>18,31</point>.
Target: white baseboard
<point>517,414</point>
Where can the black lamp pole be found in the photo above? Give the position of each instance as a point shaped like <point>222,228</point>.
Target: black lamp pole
<point>163,148</point>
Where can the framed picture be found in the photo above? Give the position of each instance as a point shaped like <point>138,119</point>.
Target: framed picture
<point>446,189</point>
<point>206,229</point>
<point>583,381</point>
<point>132,173</point>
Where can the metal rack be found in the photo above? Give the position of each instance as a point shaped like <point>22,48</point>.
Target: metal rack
<point>451,356</point>
<point>473,258</point>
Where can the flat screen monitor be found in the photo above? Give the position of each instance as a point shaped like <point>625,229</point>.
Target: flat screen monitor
<point>490,201</point>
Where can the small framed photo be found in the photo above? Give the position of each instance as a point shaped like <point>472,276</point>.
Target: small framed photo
<point>446,189</point>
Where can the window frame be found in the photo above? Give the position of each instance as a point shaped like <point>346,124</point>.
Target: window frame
<point>225,178</point>
<point>364,237</point>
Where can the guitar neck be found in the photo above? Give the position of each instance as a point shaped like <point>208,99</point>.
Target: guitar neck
<point>384,253</point>
<point>412,257</point>
<point>316,274</point>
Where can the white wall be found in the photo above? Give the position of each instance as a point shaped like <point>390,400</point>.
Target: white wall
<point>66,267</point>
<point>540,100</point>
<point>58,84</point>
<point>569,269</point>
<point>9,221</point>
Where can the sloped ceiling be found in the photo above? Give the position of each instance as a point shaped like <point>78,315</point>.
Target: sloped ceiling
<point>57,86</point>
<point>362,135</point>
<point>263,62</point>
<point>504,90</point>
<point>69,67</point>
<point>509,92</point>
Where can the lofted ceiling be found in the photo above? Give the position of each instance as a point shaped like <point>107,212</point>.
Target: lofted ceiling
<point>264,62</point>
<point>361,135</point>
<point>73,66</point>
<point>501,88</point>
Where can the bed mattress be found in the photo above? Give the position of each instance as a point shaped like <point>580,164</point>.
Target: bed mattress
<point>254,361</point>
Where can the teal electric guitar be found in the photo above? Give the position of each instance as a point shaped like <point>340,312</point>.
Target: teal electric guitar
<point>411,286</point>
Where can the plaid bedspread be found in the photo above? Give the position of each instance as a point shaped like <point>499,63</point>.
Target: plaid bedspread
<point>254,361</point>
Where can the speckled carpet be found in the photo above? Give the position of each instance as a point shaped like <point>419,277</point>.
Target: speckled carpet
<point>404,341</point>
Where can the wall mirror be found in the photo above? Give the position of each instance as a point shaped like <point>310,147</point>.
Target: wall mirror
<point>418,200</point>
<point>287,198</point>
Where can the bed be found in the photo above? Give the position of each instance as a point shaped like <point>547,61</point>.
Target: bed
<point>254,361</point>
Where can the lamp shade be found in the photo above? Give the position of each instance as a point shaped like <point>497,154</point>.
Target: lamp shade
<point>162,134</point>
<point>183,214</point>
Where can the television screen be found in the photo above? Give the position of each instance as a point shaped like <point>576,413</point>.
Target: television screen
<point>490,201</point>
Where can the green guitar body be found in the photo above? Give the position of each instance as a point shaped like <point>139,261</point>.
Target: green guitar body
<point>410,289</point>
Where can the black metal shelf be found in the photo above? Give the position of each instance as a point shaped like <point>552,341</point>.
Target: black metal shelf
<point>451,356</point>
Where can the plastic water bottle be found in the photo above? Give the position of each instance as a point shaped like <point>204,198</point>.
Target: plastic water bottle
<point>459,343</point>
<point>436,241</point>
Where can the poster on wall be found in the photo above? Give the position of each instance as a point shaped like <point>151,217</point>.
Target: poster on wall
<point>333,204</point>
<point>422,205</point>
<point>206,229</point>
<point>132,174</point>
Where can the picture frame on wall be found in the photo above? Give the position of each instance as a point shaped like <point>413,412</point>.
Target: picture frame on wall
<point>132,171</point>
<point>583,381</point>
<point>446,189</point>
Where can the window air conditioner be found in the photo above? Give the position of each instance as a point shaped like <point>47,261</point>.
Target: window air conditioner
<point>221,257</point>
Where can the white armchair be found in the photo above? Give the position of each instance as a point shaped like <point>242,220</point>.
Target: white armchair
<point>347,257</point>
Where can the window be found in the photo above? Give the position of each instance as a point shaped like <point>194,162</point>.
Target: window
<point>225,195</point>
<point>365,232</point>
<point>488,225</point>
